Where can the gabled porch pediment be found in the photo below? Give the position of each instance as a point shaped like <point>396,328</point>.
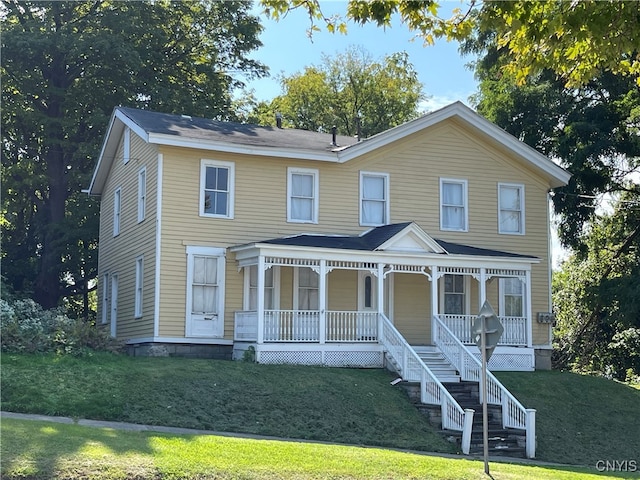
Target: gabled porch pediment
<point>412,239</point>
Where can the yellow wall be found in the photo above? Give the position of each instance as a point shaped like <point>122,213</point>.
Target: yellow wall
<point>415,166</point>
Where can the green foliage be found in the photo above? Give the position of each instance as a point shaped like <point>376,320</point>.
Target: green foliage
<point>28,328</point>
<point>577,40</point>
<point>382,93</point>
<point>65,66</point>
<point>597,299</point>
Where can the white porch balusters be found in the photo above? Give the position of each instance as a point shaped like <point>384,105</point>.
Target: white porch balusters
<point>322,302</point>
<point>260,299</point>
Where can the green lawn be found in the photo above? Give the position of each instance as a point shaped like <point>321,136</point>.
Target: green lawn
<point>42,450</point>
<point>580,420</point>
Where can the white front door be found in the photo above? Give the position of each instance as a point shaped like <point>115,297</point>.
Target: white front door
<point>114,304</point>
<point>205,292</point>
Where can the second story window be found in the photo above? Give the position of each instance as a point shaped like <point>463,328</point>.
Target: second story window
<point>216,189</point>
<point>374,199</point>
<point>511,208</point>
<point>117,207</point>
<point>302,195</point>
<point>142,193</point>
<point>453,205</point>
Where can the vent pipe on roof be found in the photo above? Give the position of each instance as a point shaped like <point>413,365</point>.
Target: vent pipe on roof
<point>334,129</point>
<point>358,128</point>
<point>279,120</point>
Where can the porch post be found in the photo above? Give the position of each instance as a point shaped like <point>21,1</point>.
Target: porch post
<point>527,300</point>
<point>260,304</point>
<point>322,302</point>
<point>380,299</point>
<point>483,286</point>
<point>434,300</point>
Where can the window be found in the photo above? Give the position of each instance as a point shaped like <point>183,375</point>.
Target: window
<point>142,193</point>
<point>126,145</point>
<point>105,298</point>
<point>139,286</point>
<point>510,208</point>
<point>512,297</point>
<point>269,295</point>
<point>454,295</point>
<point>453,205</point>
<point>302,195</point>
<point>117,200</point>
<point>216,189</point>
<point>374,198</point>
<point>308,285</point>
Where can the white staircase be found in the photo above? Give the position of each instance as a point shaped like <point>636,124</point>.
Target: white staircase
<point>437,363</point>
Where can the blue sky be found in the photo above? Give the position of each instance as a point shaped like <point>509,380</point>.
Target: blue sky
<point>287,49</point>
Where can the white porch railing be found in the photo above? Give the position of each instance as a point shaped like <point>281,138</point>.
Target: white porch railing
<point>304,326</point>
<point>515,329</point>
<point>412,368</point>
<point>514,415</point>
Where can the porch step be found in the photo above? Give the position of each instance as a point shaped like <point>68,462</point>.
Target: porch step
<point>437,363</point>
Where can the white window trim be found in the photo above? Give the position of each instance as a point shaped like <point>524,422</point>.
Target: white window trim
<point>105,299</point>
<point>117,210</point>
<point>316,193</point>
<point>210,252</point>
<point>204,163</point>
<point>519,186</point>
<point>296,289</point>
<point>139,286</point>
<point>113,305</point>
<point>467,293</point>
<point>465,204</point>
<point>502,295</point>
<point>126,145</point>
<point>142,193</point>
<point>275,288</point>
<point>387,200</point>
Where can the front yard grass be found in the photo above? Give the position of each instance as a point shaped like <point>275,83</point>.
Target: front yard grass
<point>41,451</point>
<point>581,420</point>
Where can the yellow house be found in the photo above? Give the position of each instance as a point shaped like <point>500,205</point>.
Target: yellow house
<point>228,240</point>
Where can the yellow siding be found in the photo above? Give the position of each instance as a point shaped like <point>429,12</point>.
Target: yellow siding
<point>415,166</point>
<point>117,255</point>
<point>343,290</point>
<point>412,308</point>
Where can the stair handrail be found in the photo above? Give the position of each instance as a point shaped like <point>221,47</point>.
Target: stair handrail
<point>514,414</point>
<point>454,417</point>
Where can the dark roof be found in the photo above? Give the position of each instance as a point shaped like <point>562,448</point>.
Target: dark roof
<point>372,239</point>
<point>234,133</point>
<point>369,240</point>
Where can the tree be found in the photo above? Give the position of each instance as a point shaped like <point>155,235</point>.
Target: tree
<point>65,65</point>
<point>380,94</point>
<point>597,296</point>
<point>577,40</point>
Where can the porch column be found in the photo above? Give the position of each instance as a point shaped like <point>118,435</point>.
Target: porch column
<point>529,313</point>
<point>380,298</point>
<point>483,286</point>
<point>260,303</point>
<point>434,300</point>
<point>322,301</point>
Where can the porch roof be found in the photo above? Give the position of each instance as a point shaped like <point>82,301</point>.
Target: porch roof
<point>375,238</point>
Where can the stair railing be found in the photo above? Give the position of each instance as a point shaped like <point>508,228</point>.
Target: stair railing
<point>411,368</point>
<point>514,415</point>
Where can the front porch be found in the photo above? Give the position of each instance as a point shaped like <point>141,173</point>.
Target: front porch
<point>321,300</point>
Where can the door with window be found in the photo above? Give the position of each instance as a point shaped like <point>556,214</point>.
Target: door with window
<point>366,325</point>
<point>205,292</point>
<point>114,304</point>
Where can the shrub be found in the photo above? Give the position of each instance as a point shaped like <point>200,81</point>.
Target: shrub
<point>28,328</point>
